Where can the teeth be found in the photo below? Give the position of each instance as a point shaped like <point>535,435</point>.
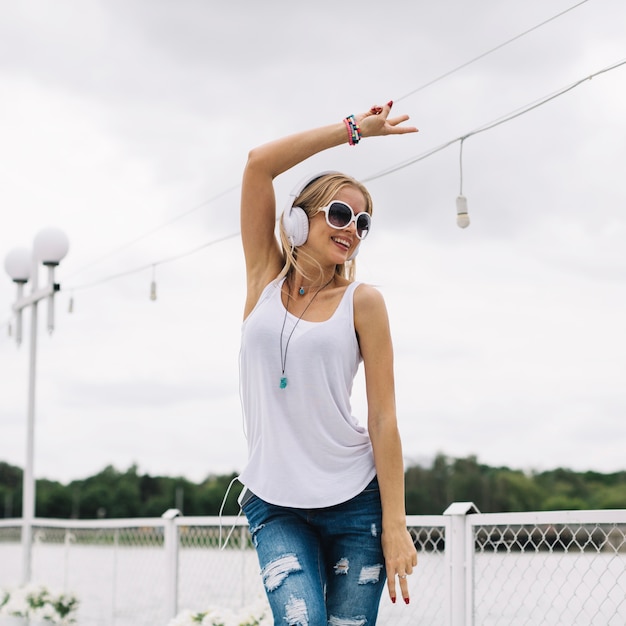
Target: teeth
<point>343,242</point>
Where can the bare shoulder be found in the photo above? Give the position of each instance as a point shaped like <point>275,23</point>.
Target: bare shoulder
<point>369,306</point>
<point>368,297</point>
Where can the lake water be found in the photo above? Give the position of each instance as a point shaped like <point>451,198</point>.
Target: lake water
<point>127,586</point>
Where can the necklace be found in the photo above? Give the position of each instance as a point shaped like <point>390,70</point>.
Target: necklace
<point>283,356</point>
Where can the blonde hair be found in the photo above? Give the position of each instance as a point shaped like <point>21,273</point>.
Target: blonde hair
<point>318,193</point>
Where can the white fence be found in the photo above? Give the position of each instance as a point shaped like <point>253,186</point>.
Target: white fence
<point>536,569</point>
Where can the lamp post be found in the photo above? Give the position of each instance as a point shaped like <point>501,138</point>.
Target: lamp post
<point>49,247</point>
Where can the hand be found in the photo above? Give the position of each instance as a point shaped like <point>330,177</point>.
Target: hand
<point>376,122</point>
<point>400,559</point>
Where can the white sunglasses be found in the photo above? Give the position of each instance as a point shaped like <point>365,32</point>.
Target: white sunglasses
<point>340,215</point>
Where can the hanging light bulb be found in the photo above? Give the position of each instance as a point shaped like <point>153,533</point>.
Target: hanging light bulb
<point>153,293</point>
<point>462,218</point>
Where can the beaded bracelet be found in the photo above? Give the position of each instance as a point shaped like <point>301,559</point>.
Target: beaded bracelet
<point>354,132</point>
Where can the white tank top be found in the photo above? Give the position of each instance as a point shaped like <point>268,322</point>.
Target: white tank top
<point>305,449</point>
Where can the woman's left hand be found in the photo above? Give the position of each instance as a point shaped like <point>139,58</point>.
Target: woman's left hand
<point>376,122</point>
<point>400,559</point>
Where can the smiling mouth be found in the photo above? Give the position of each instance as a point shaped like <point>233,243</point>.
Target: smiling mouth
<point>343,242</point>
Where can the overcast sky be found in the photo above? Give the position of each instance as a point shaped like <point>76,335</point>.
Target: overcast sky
<point>127,124</point>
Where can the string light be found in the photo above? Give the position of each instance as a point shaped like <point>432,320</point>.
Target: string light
<point>462,218</point>
<point>490,125</point>
<point>132,242</point>
<point>410,93</point>
<point>153,292</point>
<point>390,170</point>
<point>144,267</point>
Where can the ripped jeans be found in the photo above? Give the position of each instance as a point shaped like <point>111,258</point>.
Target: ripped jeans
<point>321,567</point>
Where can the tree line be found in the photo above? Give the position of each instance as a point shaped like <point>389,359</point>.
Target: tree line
<point>429,490</point>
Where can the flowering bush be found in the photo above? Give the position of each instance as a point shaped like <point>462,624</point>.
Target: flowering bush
<point>38,604</point>
<point>258,614</point>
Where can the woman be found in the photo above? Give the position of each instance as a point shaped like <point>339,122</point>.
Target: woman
<point>324,496</point>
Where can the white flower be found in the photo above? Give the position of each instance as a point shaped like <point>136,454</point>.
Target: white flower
<point>185,618</point>
<point>37,603</point>
<point>17,603</point>
<point>45,612</point>
<point>219,617</point>
<point>257,614</point>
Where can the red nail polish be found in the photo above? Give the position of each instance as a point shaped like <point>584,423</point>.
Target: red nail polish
<point>393,599</point>
<point>390,103</point>
<point>406,600</point>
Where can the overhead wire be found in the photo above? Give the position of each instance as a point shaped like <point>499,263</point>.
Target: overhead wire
<point>390,170</point>
<point>132,242</point>
<point>153,264</point>
<point>488,126</point>
<point>229,190</point>
<point>385,172</point>
<point>488,52</point>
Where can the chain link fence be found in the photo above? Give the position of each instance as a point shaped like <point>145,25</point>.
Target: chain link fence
<point>115,567</point>
<point>550,569</point>
<point>230,576</point>
<point>534,569</point>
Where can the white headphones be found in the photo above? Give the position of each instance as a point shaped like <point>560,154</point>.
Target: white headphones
<point>295,221</point>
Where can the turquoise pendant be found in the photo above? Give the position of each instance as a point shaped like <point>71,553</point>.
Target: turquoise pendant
<point>283,382</point>
<point>301,291</point>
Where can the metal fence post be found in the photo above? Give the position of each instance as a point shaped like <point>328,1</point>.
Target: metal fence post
<point>170,547</point>
<point>459,570</point>
<point>67,541</point>
<point>242,577</point>
<point>115,573</point>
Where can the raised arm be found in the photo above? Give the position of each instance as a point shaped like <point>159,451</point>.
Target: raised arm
<point>262,250</point>
<point>258,205</point>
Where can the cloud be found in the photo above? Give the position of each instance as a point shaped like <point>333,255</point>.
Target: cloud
<point>120,118</point>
